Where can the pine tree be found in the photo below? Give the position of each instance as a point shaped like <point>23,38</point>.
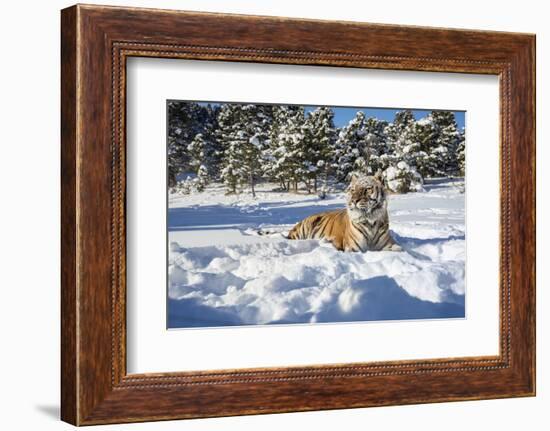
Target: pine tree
<point>461,153</point>
<point>405,154</point>
<point>429,163</point>
<point>376,145</point>
<point>182,128</point>
<point>203,178</point>
<point>287,146</point>
<point>214,149</point>
<point>439,140</point>
<point>257,120</point>
<point>319,137</point>
<point>185,121</point>
<point>243,133</point>
<point>352,152</point>
<point>269,161</point>
<point>402,138</point>
<point>447,141</point>
<point>198,151</point>
<point>230,140</point>
<point>402,178</point>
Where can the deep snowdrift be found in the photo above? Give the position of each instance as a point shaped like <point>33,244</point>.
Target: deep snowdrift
<point>221,272</point>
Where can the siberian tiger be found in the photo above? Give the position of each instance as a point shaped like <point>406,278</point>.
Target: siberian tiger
<point>362,226</point>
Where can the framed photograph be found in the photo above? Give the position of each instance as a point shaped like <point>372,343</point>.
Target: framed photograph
<point>264,215</point>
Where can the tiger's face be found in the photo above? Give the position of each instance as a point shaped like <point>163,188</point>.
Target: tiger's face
<point>365,195</point>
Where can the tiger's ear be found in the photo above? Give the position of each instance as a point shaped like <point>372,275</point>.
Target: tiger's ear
<point>353,178</point>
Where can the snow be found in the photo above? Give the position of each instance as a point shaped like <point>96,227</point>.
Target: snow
<point>230,263</point>
<point>254,140</point>
<point>425,121</point>
<point>403,177</point>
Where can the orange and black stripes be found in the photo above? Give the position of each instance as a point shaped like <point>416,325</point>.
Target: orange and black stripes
<point>345,234</point>
<point>357,228</point>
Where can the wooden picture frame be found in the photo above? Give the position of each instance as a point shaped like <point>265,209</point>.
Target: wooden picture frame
<point>95,43</point>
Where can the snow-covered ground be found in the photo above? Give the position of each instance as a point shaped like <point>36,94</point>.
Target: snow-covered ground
<point>221,272</point>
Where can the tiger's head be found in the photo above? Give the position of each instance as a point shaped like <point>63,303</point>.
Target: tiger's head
<point>365,196</point>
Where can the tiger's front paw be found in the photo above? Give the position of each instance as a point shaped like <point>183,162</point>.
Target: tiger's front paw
<point>395,247</point>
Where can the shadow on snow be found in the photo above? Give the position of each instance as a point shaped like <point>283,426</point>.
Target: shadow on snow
<point>377,298</point>
<point>213,216</point>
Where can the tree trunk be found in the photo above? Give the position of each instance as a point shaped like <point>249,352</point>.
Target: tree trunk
<point>231,189</point>
<point>171,178</point>
<point>252,185</point>
<point>308,186</point>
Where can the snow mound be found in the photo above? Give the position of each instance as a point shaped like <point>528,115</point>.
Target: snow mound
<point>310,281</point>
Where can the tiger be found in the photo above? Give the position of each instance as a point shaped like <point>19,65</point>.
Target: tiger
<point>362,226</point>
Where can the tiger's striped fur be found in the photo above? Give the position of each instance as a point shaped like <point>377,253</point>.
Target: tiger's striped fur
<point>362,226</point>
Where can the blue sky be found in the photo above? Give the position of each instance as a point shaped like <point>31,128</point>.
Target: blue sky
<point>342,115</point>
